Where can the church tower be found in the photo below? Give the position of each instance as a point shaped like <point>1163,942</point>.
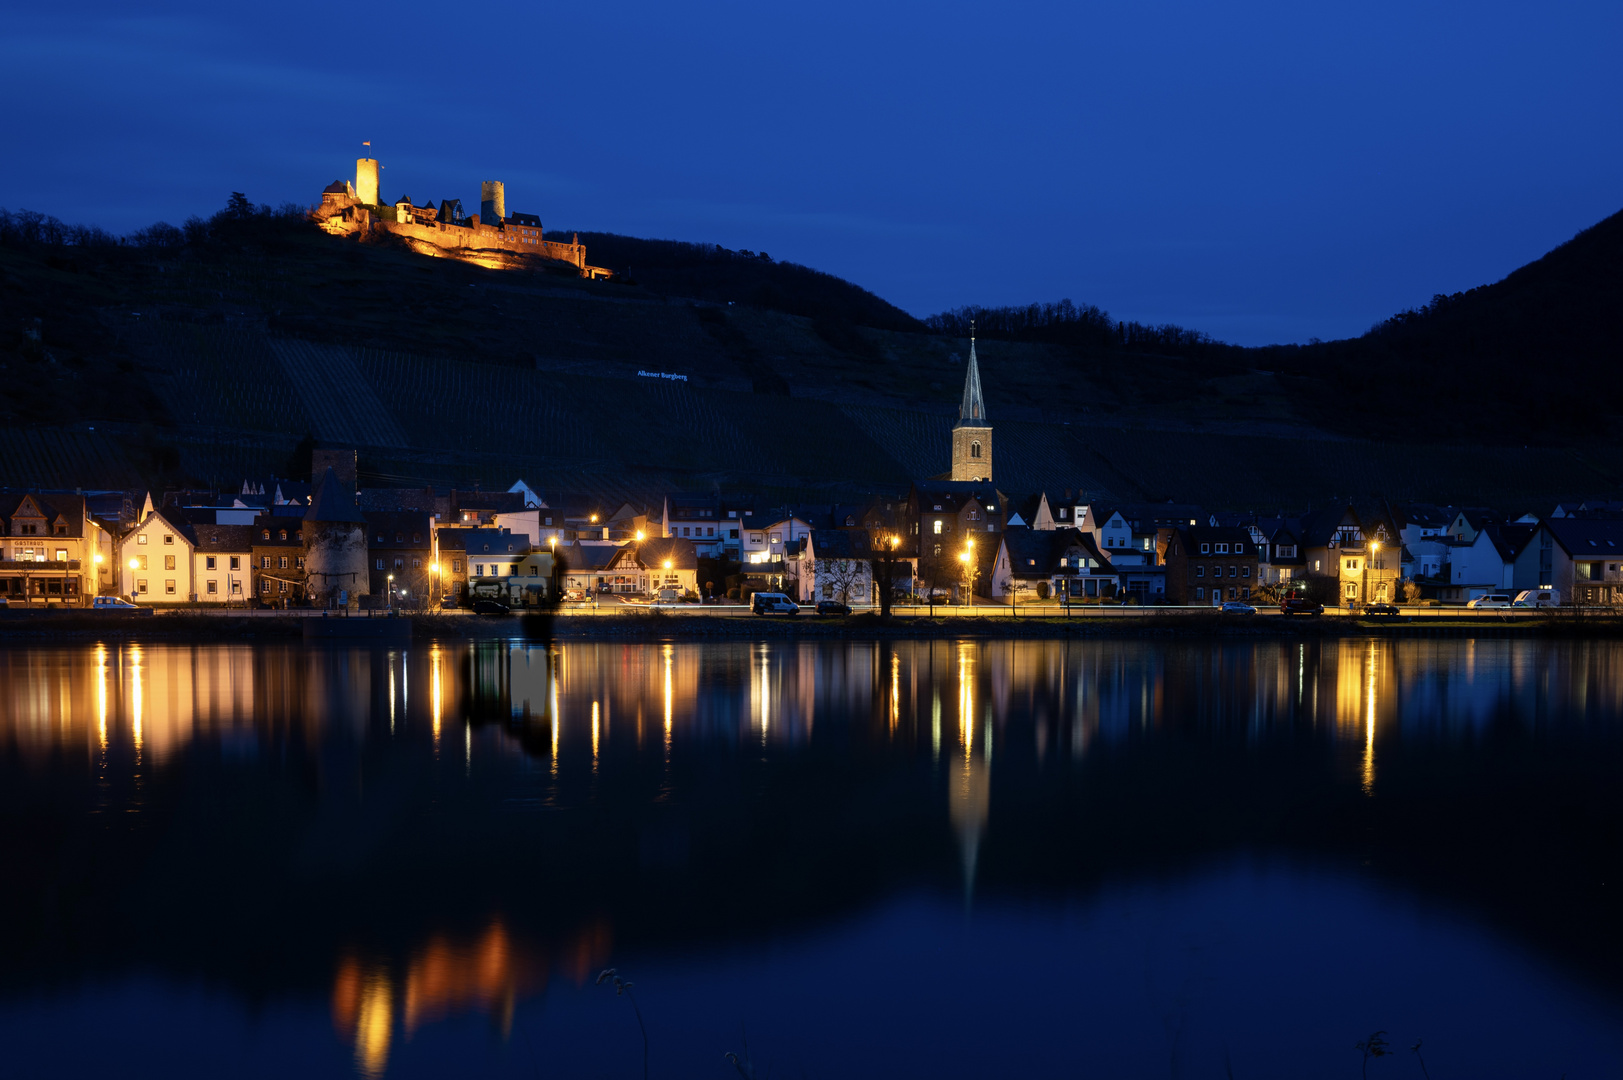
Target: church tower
<point>972,434</point>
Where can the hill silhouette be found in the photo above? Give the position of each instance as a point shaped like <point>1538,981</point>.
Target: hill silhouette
<point>207,352</point>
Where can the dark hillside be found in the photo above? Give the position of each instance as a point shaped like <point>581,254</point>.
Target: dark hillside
<point>1535,352</point>
<point>209,351</point>
<point>715,274</point>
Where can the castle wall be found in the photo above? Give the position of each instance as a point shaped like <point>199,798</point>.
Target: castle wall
<point>342,216</point>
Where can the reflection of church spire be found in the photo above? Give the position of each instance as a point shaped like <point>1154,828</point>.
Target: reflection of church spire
<point>972,413</point>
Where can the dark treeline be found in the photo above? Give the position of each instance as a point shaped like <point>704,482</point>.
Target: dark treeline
<point>1086,327</point>
<point>720,275</point>
<point>239,221</point>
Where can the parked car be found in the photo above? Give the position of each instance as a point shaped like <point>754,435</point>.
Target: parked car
<point>832,607</point>
<point>1491,600</point>
<point>773,603</point>
<point>1381,611</point>
<point>1538,598</point>
<point>1300,605</point>
<point>490,607</point>
<point>117,605</point>
<point>1235,607</point>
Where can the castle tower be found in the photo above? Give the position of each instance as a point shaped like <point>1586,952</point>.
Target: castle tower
<point>366,180</point>
<point>972,434</point>
<point>492,202</point>
<point>335,544</point>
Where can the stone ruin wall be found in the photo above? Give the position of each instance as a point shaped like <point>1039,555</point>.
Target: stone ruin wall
<point>335,558</point>
<point>342,216</point>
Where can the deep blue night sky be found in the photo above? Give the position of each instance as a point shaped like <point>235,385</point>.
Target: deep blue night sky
<point>1265,172</point>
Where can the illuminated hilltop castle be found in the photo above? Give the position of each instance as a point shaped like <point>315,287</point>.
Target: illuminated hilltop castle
<point>489,237</point>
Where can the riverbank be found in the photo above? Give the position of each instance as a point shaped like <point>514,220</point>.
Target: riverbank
<point>660,626</point>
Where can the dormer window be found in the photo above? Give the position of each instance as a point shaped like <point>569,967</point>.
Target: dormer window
<point>1222,549</point>
<point>265,535</point>
<point>281,534</point>
<point>417,538</point>
<point>1205,549</point>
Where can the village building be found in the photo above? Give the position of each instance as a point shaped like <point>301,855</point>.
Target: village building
<point>1208,564</point>
<point>836,564</point>
<point>222,570</point>
<point>51,552</point>
<point>276,558</point>
<point>400,549</point>
<point>155,559</point>
<point>1033,564</point>
<point>1579,558</point>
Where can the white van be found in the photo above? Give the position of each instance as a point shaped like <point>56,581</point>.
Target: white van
<point>1491,600</point>
<point>773,603</point>
<point>1538,598</point>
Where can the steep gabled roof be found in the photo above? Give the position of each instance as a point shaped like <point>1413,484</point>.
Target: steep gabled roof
<point>681,554</point>
<point>333,502</point>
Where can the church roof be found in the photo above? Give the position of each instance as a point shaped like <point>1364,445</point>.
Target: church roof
<point>972,413</point>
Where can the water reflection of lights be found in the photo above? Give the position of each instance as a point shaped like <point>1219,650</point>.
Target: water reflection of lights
<point>136,697</point>
<point>669,655</point>
<point>966,698</point>
<point>895,692</point>
<point>1369,724</point>
<point>435,690</point>
<point>101,695</point>
<point>766,693</point>
<point>594,735</point>
<point>446,976</point>
<point>362,1004</point>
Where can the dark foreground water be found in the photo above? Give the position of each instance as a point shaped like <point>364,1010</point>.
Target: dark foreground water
<point>864,859</point>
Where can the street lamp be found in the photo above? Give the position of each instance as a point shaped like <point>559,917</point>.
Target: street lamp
<point>135,564</point>
<point>639,536</point>
<point>391,591</point>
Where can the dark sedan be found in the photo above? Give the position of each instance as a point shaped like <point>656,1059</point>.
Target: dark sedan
<point>1381,611</point>
<point>490,607</point>
<point>832,607</point>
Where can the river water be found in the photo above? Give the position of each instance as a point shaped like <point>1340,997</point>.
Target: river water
<point>944,859</point>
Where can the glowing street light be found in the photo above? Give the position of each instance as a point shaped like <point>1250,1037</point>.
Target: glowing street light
<point>639,536</point>
<point>135,564</point>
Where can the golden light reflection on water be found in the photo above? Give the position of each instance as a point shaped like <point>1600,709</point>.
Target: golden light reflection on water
<point>154,701</point>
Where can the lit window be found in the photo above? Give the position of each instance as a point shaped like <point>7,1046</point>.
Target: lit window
<point>937,526</point>
<point>141,539</point>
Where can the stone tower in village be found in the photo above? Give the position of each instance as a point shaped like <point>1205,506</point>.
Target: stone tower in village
<point>972,434</point>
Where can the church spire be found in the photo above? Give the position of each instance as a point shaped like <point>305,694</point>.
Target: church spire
<point>973,410</point>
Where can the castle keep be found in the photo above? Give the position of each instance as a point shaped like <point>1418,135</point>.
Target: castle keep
<point>351,208</point>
